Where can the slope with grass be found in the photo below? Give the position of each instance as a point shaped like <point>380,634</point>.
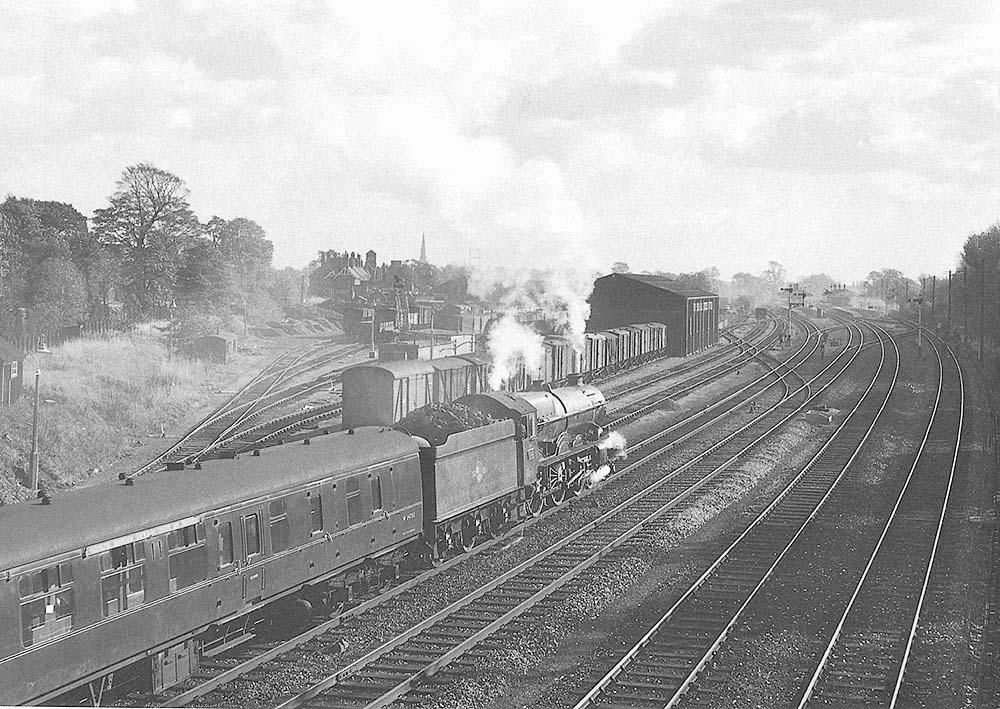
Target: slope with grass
<point>105,400</point>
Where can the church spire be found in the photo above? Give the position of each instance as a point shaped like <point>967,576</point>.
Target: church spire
<point>423,248</point>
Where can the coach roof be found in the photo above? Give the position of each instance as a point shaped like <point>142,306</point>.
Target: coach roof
<point>83,516</point>
<point>397,369</point>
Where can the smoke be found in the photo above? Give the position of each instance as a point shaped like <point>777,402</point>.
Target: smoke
<point>599,474</point>
<point>615,444</point>
<point>560,294</point>
<point>511,343</point>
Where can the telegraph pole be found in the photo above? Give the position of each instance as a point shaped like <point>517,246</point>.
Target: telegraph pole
<point>949,305</point>
<point>920,309</point>
<point>34,435</point>
<point>965,302</point>
<point>789,290</point>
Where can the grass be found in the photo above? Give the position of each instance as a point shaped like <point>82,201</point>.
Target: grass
<point>100,399</point>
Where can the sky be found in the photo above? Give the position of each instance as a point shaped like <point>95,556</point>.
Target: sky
<point>834,136</point>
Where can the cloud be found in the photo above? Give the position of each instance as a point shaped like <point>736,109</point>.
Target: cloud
<point>522,132</point>
<point>716,34</point>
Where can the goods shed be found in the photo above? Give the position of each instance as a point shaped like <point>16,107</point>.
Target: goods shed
<point>691,315</point>
<point>11,373</point>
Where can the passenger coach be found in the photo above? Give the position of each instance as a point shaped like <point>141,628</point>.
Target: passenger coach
<point>140,570</point>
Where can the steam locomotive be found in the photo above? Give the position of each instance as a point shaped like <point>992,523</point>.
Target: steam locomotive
<point>135,584</point>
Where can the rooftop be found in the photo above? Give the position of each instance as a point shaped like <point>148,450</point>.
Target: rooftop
<point>665,284</point>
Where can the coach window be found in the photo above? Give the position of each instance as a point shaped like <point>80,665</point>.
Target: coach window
<point>46,603</point>
<point>251,535</point>
<point>187,556</point>
<point>354,508</point>
<point>279,525</point>
<point>376,482</point>
<point>225,544</point>
<point>123,578</point>
<point>315,512</point>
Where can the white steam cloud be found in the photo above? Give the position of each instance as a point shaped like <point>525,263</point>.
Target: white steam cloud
<point>560,294</point>
<point>615,444</point>
<point>511,343</point>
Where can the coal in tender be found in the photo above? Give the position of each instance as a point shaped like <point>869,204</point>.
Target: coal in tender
<point>435,422</point>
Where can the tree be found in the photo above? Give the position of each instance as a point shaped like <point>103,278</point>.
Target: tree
<point>203,278</point>
<point>889,285</point>
<point>32,232</point>
<point>620,267</point>
<point>148,225</point>
<point>285,287</point>
<point>699,280</point>
<point>980,284</point>
<point>57,294</point>
<point>815,284</point>
<point>243,245</point>
<point>745,284</point>
<point>6,258</point>
<point>774,276</point>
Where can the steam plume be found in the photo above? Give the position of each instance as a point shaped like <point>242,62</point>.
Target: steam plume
<point>511,343</point>
<point>615,444</point>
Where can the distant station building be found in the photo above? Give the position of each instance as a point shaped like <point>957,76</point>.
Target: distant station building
<point>11,373</point>
<point>690,314</point>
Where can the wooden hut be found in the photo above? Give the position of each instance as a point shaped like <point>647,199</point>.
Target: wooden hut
<point>219,348</point>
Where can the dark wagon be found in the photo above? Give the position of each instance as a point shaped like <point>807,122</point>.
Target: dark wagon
<point>381,394</point>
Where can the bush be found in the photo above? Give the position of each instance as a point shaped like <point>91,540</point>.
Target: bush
<point>101,397</point>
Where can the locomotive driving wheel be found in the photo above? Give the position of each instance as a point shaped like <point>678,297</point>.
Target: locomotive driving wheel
<point>557,494</point>
<point>583,483</point>
<point>491,524</point>
<point>534,501</point>
<point>557,485</point>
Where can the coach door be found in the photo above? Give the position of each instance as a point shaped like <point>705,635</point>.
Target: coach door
<point>253,570</point>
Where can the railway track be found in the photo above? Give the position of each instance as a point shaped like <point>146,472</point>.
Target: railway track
<point>667,659</point>
<point>268,390</point>
<point>864,663</point>
<point>743,349</point>
<point>263,652</point>
<point>393,669</point>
